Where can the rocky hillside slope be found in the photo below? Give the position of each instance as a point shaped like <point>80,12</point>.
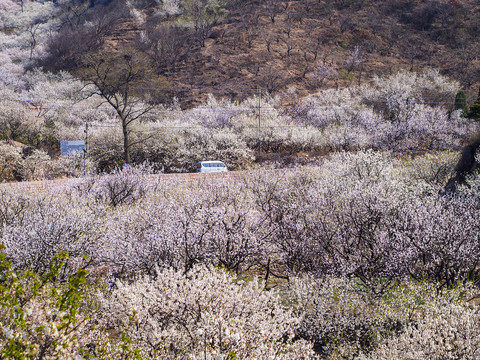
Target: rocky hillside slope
<point>231,48</point>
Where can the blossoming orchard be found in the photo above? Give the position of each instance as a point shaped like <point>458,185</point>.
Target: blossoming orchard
<point>358,257</point>
<point>347,226</point>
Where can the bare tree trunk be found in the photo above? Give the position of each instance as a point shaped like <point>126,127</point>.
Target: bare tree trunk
<point>465,166</point>
<point>360,74</point>
<point>126,150</point>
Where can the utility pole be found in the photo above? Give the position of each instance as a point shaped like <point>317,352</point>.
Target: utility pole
<point>259,121</point>
<point>85,148</point>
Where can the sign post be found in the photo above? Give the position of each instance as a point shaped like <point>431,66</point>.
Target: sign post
<point>73,148</point>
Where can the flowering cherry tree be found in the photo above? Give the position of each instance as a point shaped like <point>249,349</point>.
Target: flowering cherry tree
<point>205,313</point>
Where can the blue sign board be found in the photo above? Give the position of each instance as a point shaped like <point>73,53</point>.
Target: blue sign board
<point>70,148</point>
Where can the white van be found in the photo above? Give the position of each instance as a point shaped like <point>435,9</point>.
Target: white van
<point>211,166</point>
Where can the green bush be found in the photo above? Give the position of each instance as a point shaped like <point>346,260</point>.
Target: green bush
<point>37,319</point>
<point>461,102</point>
<point>474,112</point>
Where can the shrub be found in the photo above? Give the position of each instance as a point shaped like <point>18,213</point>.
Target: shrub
<point>105,150</point>
<point>13,204</point>
<point>10,157</point>
<point>16,124</point>
<point>474,112</point>
<point>450,332</point>
<point>440,326</point>
<point>39,317</point>
<point>43,227</point>
<point>207,223</point>
<point>398,113</point>
<point>340,318</point>
<point>204,313</point>
<point>413,320</point>
<point>437,238</point>
<point>461,102</point>
<point>122,186</point>
<point>34,166</point>
<point>432,170</point>
<point>26,164</point>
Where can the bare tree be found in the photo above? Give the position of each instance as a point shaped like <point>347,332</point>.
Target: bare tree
<point>166,45</point>
<point>466,65</point>
<point>290,44</point>
<point>121,80</point>
<point>346,23</point>
<point>412,52</point>
<point>271,79</point>
<point>32,29</point>
<point>268,39</point>
<point>250,28</point>
<point>355,62</point>
<point>314,46</point>
<point>74,38</point>
<point>71,13</point>
<point>323,72</point>
<point>273,8</point>
<point>288,25</point>
<point>204,14</point>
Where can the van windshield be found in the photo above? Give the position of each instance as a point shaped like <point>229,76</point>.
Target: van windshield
<point>210,164</point>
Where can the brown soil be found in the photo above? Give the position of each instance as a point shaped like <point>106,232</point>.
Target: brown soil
<point>391,35</point>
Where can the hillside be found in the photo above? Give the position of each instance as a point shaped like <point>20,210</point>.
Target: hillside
<point>134,81</point>
<point>347,226</point>
<point>232,49</point>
